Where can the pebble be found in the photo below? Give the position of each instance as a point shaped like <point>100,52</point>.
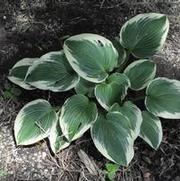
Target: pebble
<point>43,155</point>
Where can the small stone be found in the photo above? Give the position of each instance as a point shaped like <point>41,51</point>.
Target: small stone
<point>46,170</point>
<point>43,155</point>
<point>14,29</point>
<point>146,175</point>
<point>39,165</point>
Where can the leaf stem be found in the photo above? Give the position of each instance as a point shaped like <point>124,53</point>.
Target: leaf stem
<point>57,108</point>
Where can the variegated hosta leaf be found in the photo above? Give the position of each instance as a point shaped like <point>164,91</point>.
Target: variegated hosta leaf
<point>52,72</point>
<point>91,56</point>
<point>132,113</point>
<point>163,98</point>
<point>77,115</point>
<point>114,89</point>
<point>112,137</point>
<point>121,51</point>
<point>34,122</point>
<point>151,130</point>
<point>85,87</point>
<point>140,73</point>
<point>144,34</point>
<point>18,72</point>
<point>56,139</point>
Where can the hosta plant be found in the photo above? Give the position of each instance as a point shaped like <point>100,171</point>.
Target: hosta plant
<point>109,78</point>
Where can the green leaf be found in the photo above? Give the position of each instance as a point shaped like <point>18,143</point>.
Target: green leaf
<point>34,122</point>
<point>132,113</point>
<point>140,73</point>
<point>112,137</point>
<point>121,51</point>
<point>8,95</point>
<point>111,176</point>
<point>85,87</point>
<point>56,138</point>
<point>111,170</point>
<point>77,115</point>
<point>151,130</point>
<point>163,98</point>
<point>18,72</point>
<point>113,90</point>
<point>144,34</point>
<point>52,72</point>
<point>91,56</point>
<point>111,167</point>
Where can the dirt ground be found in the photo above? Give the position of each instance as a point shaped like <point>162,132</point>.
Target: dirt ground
<point>30,28</point>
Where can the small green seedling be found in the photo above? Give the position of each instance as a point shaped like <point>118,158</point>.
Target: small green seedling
<point>11,91</point>
<point>107,76</point>
<point>110,171</point>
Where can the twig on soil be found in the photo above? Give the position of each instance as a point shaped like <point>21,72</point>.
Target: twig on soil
<point>102,3</point>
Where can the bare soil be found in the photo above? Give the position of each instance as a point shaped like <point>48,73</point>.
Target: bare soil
<point>30,28</point>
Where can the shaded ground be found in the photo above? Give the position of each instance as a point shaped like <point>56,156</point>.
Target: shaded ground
<point>30,28</point>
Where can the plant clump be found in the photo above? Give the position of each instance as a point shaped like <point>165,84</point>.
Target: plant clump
<point>103,74</point>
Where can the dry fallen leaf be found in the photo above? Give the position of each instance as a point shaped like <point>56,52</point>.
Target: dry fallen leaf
<point>90,165</point>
